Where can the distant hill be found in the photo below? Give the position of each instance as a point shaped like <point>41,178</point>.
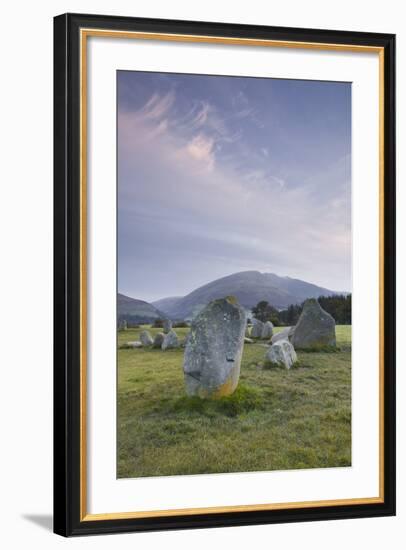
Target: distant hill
<point>249,287</point>
<point>166,303</point>
<point>137,311</point>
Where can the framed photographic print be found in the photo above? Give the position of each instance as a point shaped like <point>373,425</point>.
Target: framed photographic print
<point>224,274</point>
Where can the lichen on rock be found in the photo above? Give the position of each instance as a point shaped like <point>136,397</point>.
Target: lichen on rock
<point>214,348</point>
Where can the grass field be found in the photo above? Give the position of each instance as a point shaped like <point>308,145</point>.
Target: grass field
<point>276,419</point>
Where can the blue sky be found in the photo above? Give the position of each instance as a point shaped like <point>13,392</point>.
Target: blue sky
<point>224,174</point>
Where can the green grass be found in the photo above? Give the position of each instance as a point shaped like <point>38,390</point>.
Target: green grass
<point>276,419</point>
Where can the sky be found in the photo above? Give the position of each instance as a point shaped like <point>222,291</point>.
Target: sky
<point>221,174</point>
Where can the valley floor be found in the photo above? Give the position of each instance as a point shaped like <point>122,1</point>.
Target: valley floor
<point>276,419</point>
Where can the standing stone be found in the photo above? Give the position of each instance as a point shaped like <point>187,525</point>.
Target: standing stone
<point>122,325</point>
<point>267,331</point>
<point>170,341</point>
<point>256,331</point>
<point>146,338</point>
<point>158,340</point>
<point>214,349</point>
<point>285,334</point>
<point>248,331</point>
<point>315,328</point>
<point>281,354</point>
<point>167,326</point>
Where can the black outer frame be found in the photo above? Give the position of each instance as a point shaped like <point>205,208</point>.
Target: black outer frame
<point>67,275</point>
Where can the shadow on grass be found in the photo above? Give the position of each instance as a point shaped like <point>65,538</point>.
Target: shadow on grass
<point>243,400</point>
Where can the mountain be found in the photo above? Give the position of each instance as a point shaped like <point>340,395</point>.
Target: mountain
<point>167,304</point>
<point>137,311</point>
<point>250,287</point>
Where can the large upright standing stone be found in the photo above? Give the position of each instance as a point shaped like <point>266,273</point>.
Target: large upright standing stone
<point>256,331</point>
<point>315,328</point>
<point>214,349</point>
<point>267,330</point>
<point>167,326</point>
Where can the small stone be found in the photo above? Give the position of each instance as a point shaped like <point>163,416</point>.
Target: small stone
<point>267,331</point>
<point>256,331</point>
<point>281,354</point>
<point>159,338</point>
<point>170,341</point>
<point>248,340</point>
<point>134,344</point>
<point>167,326</point>
<point>122,325</point>
<point>146,338</point>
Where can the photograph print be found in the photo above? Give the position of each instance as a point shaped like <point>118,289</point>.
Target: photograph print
<point>234,274</point>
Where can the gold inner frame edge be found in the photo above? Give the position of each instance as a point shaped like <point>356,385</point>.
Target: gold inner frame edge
<point>84,34</point>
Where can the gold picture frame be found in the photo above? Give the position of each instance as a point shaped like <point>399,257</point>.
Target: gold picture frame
<point>71,45</point>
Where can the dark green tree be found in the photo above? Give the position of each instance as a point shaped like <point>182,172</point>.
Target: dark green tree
<point>264,312</point>
<point>290,316</point>
<point>339,307</point>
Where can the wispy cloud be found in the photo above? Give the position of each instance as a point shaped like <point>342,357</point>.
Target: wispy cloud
<point>196,182</point>
<point>200,131</point>
<point>157,106</point>
<point>201,148</point>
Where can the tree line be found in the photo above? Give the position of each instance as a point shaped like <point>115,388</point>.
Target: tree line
<point>339,307</point>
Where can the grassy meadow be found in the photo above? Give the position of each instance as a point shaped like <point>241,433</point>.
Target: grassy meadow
<point>276,420</point>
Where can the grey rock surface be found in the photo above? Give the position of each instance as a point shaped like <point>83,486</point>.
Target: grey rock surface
<point>285,334</point>
<point>146,338</point>
<point>134,344</point>
<point>170,341</point>
<point>158,340</point>
<point>315,328</point>
<point>213,352</point>
<point>267,330</point>
<point>167,326</point>
<point>281,354</point>
<point>184,340</point>
<point>256,330</point>
<point>122,325</point>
